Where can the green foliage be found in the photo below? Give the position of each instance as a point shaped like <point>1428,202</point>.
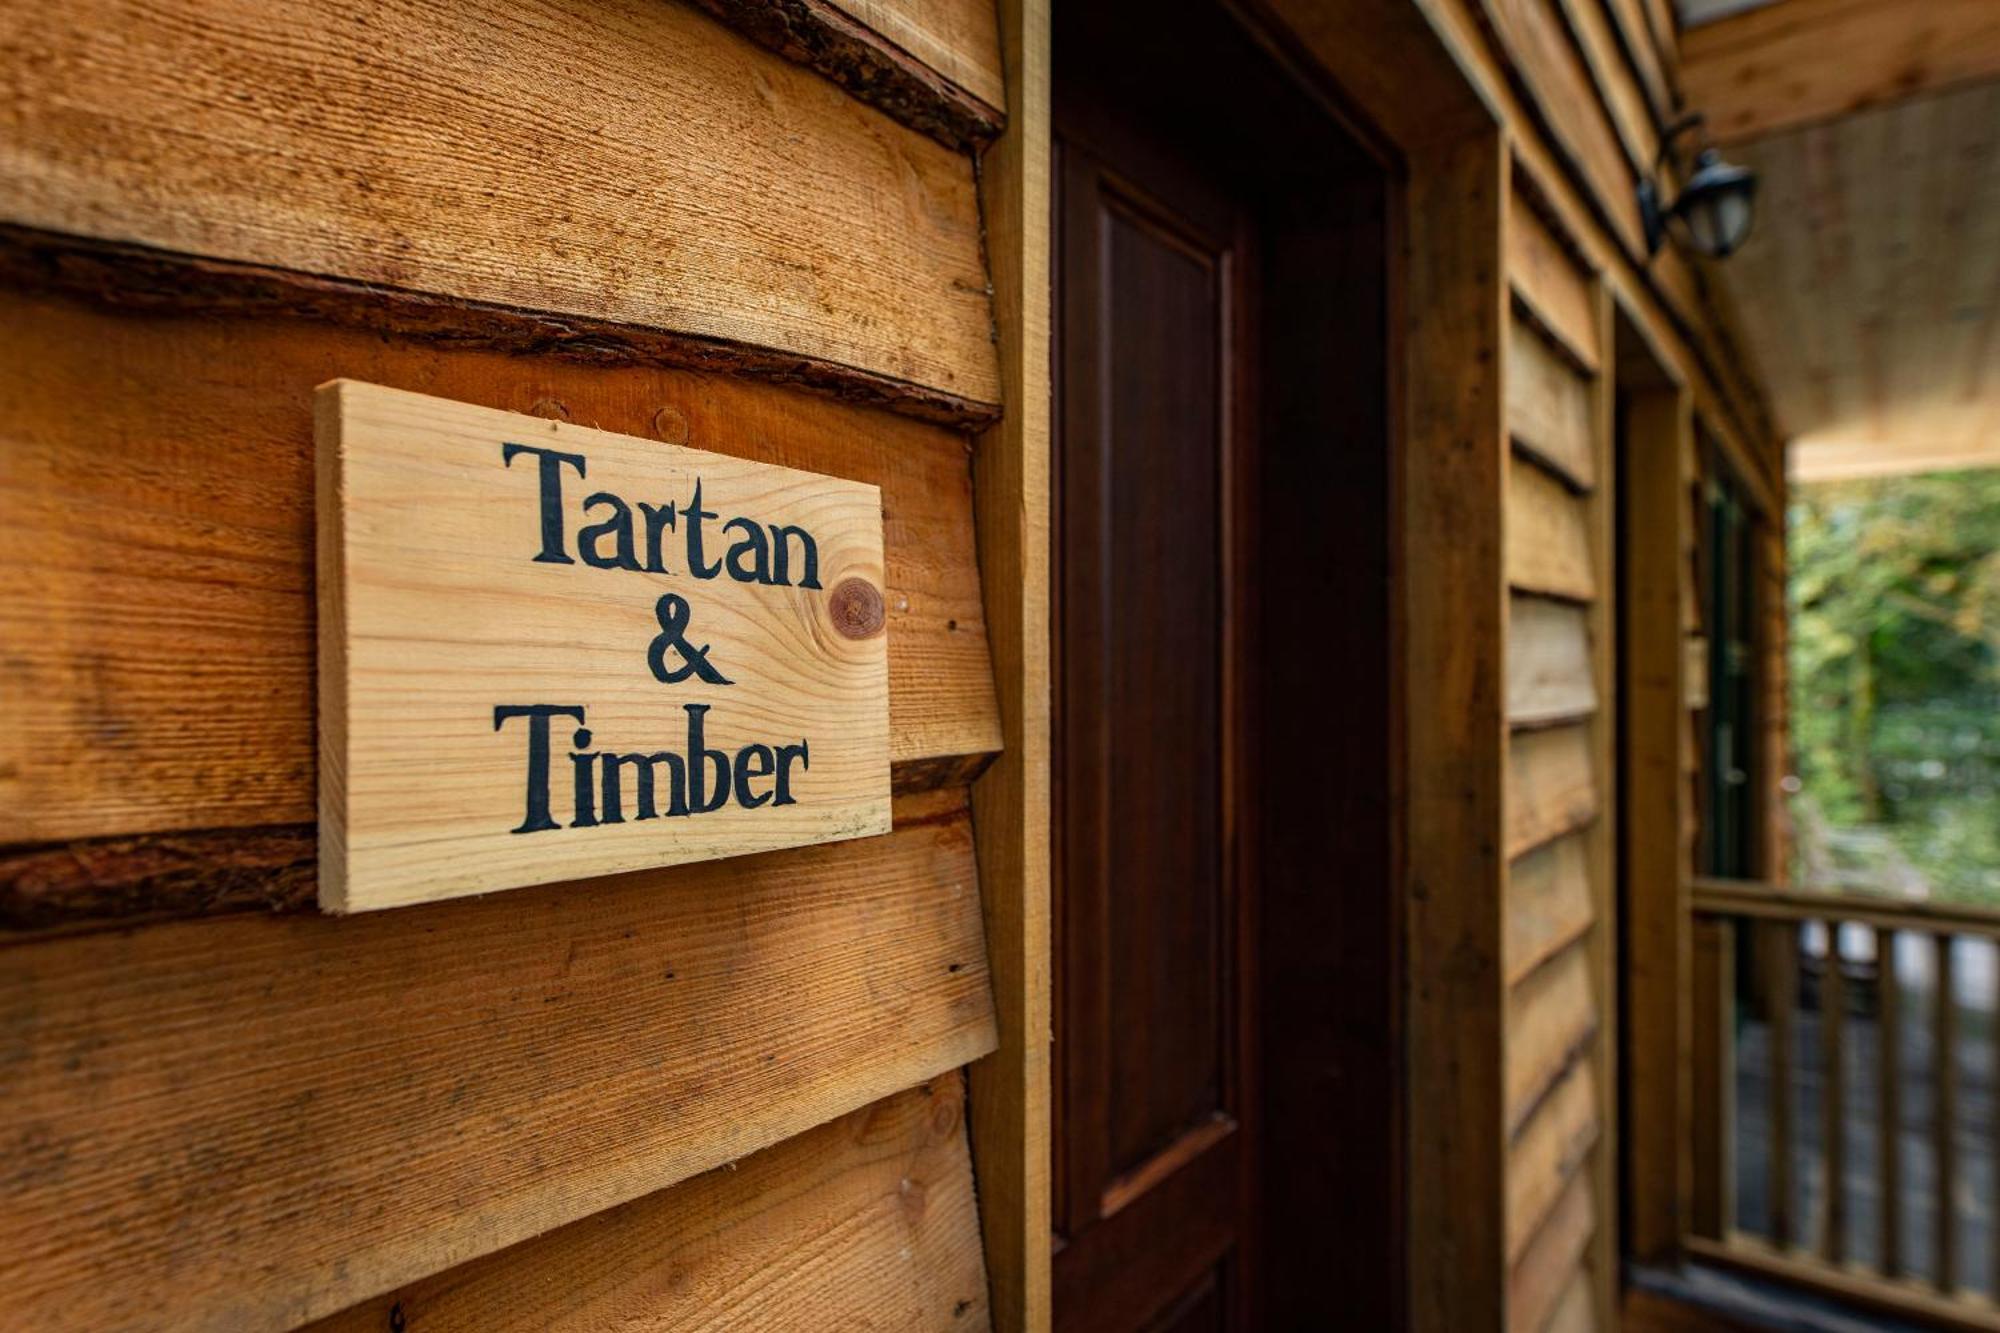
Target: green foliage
<point>1895,644</point>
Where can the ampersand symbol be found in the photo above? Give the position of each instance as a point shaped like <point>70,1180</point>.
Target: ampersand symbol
<point>672,613</point>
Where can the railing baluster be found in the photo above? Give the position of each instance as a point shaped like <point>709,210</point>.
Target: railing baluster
<point>1781,941</point>
<point>1713,1122</point>
<point>1944,1117</point>
<point>1833,1098</point>
<point>1889,1098</point>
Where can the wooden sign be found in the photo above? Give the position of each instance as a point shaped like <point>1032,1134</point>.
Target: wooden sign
<point>548,652</point>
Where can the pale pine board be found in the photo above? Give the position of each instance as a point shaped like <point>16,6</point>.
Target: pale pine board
<point>436,609</point>
<point>1541,1280</point>
<point>1551,1020</point>
<point>1551,1150</point>
<point>628,160</point>
<point>1550,672</point>
<point>156,565</point>
<point>1551,786</point>
<point>1549,405</point>
<point>1548,534</point>
<point>867,1221</point>
<point>255,1121</point>
<point>960,39</point>
<point>1011,1097</point>
<point>1548,904</point>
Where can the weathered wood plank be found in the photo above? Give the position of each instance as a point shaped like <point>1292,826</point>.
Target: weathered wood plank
<point>1548,904</point>
<point>1551,786</point>
<point>627,160</point>
<point>960,39</point>
<point>1551,1021</point>
<point>933,66</point>
<point>1537,44</point>
<point>1550,672</point>
<point>1555,286</point>
<point>156,548</point>
<point>1548,534</point>
<point>1549,406</point>
<point>275,1117</point>
<point>1781,66</point>
<point>865,1222</point>
<point>1541,1281</point>
<point>1551,1150</point>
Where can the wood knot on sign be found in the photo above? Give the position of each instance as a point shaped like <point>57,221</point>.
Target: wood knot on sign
<point>856,608</point>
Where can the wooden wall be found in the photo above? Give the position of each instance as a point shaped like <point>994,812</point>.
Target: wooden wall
<point>1558,929</point>
<point>723,1094</point>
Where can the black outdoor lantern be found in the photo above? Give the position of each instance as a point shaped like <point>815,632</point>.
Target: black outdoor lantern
<point>1714,209</point>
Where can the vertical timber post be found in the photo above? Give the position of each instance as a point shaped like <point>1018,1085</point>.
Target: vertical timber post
<point>1010,802</point>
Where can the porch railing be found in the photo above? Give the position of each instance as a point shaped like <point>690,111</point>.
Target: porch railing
<point>1846,1096</point>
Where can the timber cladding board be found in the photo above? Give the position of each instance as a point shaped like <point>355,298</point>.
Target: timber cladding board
<point>1548,534</point>
<point>867,1221</point>
<point>156,551</point>
<point>960,39</point>
<point>1551,786</point>
<point>628,160</point>
<point>1548,1152</point>
<point>1549,405</point>
<point>1551,1020</point>
<point>1550,670</point>
<point>600,597</point>
<point>1546,1272</point>
<point>254,1121</point>
<point>1549,279</point>
<point>1548,904</point>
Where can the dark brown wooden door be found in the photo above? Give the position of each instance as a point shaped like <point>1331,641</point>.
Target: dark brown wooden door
<point>1154,1166</point>
<point>1228,1139</point>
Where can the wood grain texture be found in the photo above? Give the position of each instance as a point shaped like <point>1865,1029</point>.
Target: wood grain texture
<point>1551,786</point>
<point>1541,55</point>
<point>1780,66</point>
<point>1550,1151</point>
<point>276,1117</point>
<point>1552,1020</point>
<point>960,39</point>
<point>1556,286</point>
<point>1672,304</point>
<point>909,58</point>
<point>156,562</point>
<point>627,160</point>
<point>453,585</point>
<point>1011,1106</point>
<point>1617,84</point>
<point>1866,291</point>
<point>1548,534</point>
<point>1550,669</point>
<point>1549,406</point>
<point>1547,1272</point>
<point>1454,461</point>
<point>1651,59</point>
<point>867,1221</point>
<point>1548,904</point>
<point>1656,854</point>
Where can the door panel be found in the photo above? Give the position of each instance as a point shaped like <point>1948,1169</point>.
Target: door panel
<point>1152,988</point>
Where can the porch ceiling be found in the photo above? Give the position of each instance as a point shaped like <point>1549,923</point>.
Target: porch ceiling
<point>1870,289</point>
